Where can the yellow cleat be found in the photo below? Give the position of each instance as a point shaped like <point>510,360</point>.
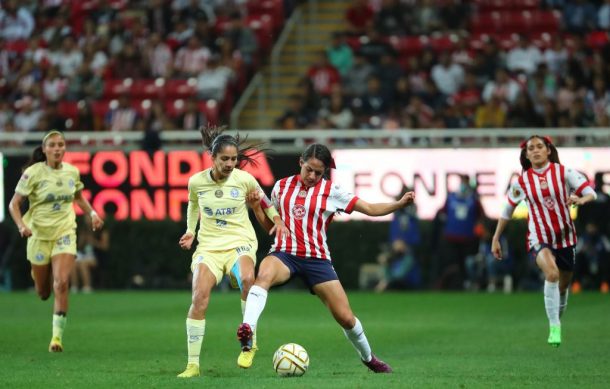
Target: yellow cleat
<point>246,358</point>
<point>192,370</point>
<point>55,346</point>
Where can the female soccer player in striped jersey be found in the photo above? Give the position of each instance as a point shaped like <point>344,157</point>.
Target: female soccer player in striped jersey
<point>51,187</point>
<point>307,203</point>
<point>226,239</point>
<point>548,189</point>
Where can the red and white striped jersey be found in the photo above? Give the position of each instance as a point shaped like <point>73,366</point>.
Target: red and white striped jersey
<point>307,212</point>
<point>546,194</point>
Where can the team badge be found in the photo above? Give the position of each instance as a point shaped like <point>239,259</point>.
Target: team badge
<point>218,193</point>
<point>516,192</point>
<point>234,193</point>
<point>543,184</point>
<point>39,257</point>
<point>302,193</point>
<point>298,212</point>
<point>549,202</point>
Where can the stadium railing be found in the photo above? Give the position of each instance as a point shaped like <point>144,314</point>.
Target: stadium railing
<point>292,141</point>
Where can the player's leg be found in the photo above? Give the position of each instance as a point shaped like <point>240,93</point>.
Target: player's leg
<point>546,262</point>
<point>43,279</point>
<point>62,265</point>
<point>565,277</point>
<point>333,296</point>
<point>39,256</point>
<point>272,271</point>
<point>243,270</point>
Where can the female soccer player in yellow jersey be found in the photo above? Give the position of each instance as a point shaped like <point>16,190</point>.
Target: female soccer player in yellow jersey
<point>226,239</point>
<point>51,186</point>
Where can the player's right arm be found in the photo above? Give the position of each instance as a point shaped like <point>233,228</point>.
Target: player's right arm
<point>192,217</point>
<point>515,195</point>
<point>14,208</point>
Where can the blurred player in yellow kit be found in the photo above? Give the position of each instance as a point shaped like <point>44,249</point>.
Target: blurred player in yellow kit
<point>51,187</point>
<point>226,239</point>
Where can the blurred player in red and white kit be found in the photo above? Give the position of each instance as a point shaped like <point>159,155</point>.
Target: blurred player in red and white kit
<point>307,203</point>
<point>549,189</point>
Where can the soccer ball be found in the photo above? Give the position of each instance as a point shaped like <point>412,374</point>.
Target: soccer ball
<point>290,360</point>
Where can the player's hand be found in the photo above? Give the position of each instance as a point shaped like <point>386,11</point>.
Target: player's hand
<point>496,248</point>
<point>575,200</point>
<point>186,241</point>
<point>253,198</point>
<point>96,222</point>
<point>280,229</point>
<point>25,232</point>
<point>406,199</point>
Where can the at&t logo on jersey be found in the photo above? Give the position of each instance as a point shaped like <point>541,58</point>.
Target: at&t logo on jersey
<point>298,212</point>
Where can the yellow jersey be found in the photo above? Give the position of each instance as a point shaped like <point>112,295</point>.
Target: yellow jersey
<point>222,211</point>
<point>50,193</point>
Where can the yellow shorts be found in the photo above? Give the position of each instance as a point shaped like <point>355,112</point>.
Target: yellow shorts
<point>40,252</point>
<point>221,262</point>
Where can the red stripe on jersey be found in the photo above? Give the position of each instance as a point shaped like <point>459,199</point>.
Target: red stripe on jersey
<point>538,203</point>
<point>286,194</point>
<point>571,231</point>
<point>553,217</point>
<point>350,207</point>
<point>580,189</point>
<point>322,228</point>
<point>558,180</point>
<point>311,225</point>
<point>531,216</point>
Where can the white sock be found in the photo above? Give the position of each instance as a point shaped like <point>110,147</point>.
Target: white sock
<point>563,302</point>
<point>243,310</point>
<point>551,302</point>
<point>358,339</point>
<point>257,297</point>
<point>59,323</point>
<point>195,329</point>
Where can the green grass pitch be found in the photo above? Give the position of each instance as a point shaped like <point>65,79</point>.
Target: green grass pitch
<point>136,339</point>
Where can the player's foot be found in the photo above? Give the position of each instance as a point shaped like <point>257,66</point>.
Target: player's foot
<point>244,335</point>
<point>246,358</point>
<point>604,287</point>
<point>192,370</point>
<point>55,346</point>
<point>376,365</point>
<point>555,336</point>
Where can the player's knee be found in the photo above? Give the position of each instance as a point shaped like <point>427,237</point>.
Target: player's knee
<point>346,320</point>
<point>247,280</point>
<point>61,286</point>
<point>552,276</point>
<point>200,301</point>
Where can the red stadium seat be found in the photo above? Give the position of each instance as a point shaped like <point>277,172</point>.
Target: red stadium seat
<point>101,107</point>
<point>148,88</point>
<point>262,26</point>
<point>180,89</point>
<point>68,109</point>
<point>597,39</point>
<point>115,87</point>
<point>174,108</point>
<point>409,45</point>
<point>546,21</point>
<point>486,22</point>
<point>443,42</point>
<point>210,109</point>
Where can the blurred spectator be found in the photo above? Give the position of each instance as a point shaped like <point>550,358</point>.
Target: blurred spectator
<point>242,38</point>
<point>69,58</point>
<point>393,18</point>
<point>522,113</point>
<point>340,53</point>
<point>27,118</point>
<point>15,22</point>
<point>159,17</point>
<point>490,115</point>
<point>52,117</point>
<point>323,75</point>
<point>192,118</point>
<point>427,18</point>
<point>160,56</point>
<point>192,11</point>
<point>419,113</point>
<point>469,95</point>
<point>556,56</point>
<point>337,115</point>
<point>569,91</point>
<point>192,59</point>
<point>461,215</point>
<point>487,62</point>
<point>389,72</point>
<point>213,81</point>
<point>447,75</point>
<point>85,120</point>
<point>54,86</point>
<point>359,17</point>
<point>592,260</point>
<point>85,84</point>
<point>401,94</point>
<point>541,86</point>
<point>355,79</point>
<point>524,57</point>
<point>603,16</point>
<point>579,16</point>
<point>6,114</point>
<point>374,102</point>
<point>597,101</point>
<point>296,116</point>
<point>375,47</point>
<point>123,117</point>
<point>431,96</point>
<point>130,63</point>
<point>502,87</point>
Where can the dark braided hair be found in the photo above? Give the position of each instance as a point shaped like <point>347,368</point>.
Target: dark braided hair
<point>321,153</point>
<point>215,141</point>
<point>526,163</point>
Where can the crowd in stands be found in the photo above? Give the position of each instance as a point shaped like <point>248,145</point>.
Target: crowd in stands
<point>120,65</point>
<point>460,64</point>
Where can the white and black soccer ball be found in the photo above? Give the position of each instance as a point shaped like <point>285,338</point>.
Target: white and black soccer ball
<point>290,360</point>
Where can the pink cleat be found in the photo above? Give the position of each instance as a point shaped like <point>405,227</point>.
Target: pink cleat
<point>244,335</point>
<point>376,365</point>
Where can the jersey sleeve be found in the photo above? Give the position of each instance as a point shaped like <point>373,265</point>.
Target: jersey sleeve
<point>516,194</point>
<point>342,199</point>
<point>26,183</point>
<point>192,210</point>
<point>576,181</point>
<point>78,185</point>
<point>275,195</point>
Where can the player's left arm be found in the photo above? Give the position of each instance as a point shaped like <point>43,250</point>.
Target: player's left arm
<point>381,209</point>
<point>583,192</point>
<point>96,221</point>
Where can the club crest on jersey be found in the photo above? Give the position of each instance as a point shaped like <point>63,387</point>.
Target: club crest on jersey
<point>516,192</point>
<point>298,212</point>
<point>302,193</point>
<point>218,193</point>
<point>39,257</point>
<point>234,193</point>
<point>549,202</point>
<point>543,184</point>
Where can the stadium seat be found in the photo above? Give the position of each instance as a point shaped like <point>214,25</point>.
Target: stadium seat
<point>68,109</point>
<point>409,45</point>
<point>262,26</point>
<point>597,39</point>
<point>210,109</point>
<point>180,89</point>
<point>486,22</point>
<point>115,87</point>
<point>273,8</point>
<point>148,88</point>
<point>443,42</point>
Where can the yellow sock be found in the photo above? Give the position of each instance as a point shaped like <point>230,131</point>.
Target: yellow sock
<point>243,309</point>
<point>195,329</point>
<point>59,323</point>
